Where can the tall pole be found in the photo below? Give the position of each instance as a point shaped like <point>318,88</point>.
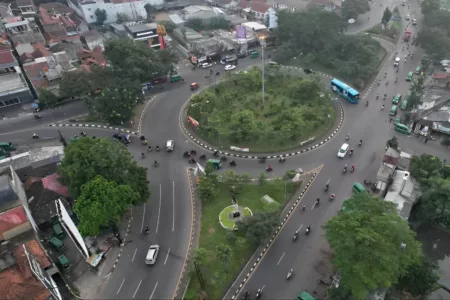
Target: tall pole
<point>262,59</point>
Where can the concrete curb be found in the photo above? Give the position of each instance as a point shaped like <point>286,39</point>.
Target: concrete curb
<point>123,241</point>
<point>195,232</point>
<point>203,145</point>
<point>272,239</point>
<point>94,126</point>
<point>139,129</point>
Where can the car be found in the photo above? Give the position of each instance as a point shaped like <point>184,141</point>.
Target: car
<point>122,137</point>
<point>230,67</point>
<point>343,151</point>
<point>152,254</point>
<point>396,61</point>
<point>408,17</point>
<point>414,21</point>
<point>226,59</point>
<point>309,71</point>
<point>170,145</point>
<point>205,65</point>
<point>397,99</point>
<point>275,65</point>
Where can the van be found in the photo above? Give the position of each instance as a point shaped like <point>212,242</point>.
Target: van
<point>402,128</point>
<point>170,145</point>
<point>404,104</point>
<point>410,76</point>
<point>273,64</point>
<point>396,61</point>
<point>393,111</point>
<point>358,188</point>
<point>152,254</point>
<point>418,70</point>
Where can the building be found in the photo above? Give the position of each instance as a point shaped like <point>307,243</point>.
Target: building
<point>404,192</point>
<point>144,32</point>
<point>134,9</point>
<point>27,55</point>
<point>204,13</point>
<point>44,72</point>
<point>89,58</point>
<point>5,10</point>
<point>23,30</point>
<point>254,9</point>
<point>433,114</point>
<point>13,86</point>
<point>26,8</point>
<point>93,39</point>
<point>60,23</point>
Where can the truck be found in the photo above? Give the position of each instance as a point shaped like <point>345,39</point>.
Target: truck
<point>407,35</point>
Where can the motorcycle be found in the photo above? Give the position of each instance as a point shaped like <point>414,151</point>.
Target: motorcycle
<point>345,169</point>
<point>282,159</point>
<point>232,163</point>
<point>367,182</point>
<point>367,103</point>
<point>83,134</point>
<point>308,229</point>
<point>295,236</point>
<point>203,156</point>
<point>332,197</point>
<point>246,295</point>
<point>150,149</point>
<point>35,136</point>
<point>146,231</point>
<point>157,148</point>
<point>37,117</point>
<point>352,170</point>
<point>258,294</point>
<point>186,154</point>
<point>350,153</point>
<point>155,164</point>
<point>192,161</point>
<point>262,159</point>
<point>289,274</point>
<point>223,158</point>
<point>347,137</point>
<point>216,153</point>
<point>269,169</point>
<point>360,143</point>
<point>193,152</point>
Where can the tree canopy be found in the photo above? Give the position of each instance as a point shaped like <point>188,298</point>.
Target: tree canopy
<point>233,112</point>
<point>317,38</point>
<point>101,16</point>
<point>421,279</point>
<point>112,91</point>
<point>352,8</point>
<point>373,246</point>
<point>86,158</point>
<point>434,37</point>
<point>101,203</point>
<point>259,227</point>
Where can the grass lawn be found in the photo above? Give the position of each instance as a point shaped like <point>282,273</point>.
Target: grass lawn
<point>224,217</point>
<point>217,278</point>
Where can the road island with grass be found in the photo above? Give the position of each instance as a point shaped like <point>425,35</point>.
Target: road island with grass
<point>295,110</point>
<point>238,214</point>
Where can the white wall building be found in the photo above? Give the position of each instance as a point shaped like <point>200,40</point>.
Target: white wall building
<point>133,9</point>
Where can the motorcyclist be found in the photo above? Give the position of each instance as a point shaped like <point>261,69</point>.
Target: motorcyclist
<point>360,142</point>
<point>304,207</point>
<point>157,148</point>
<point>385,95</point>
<point>308,229</point>
<point>296,234</point>
<point>155,163</point>
<point>186,154</point>
<point>387,82</point>
<point>382,107</point>
<point>353,168</point>
<point>269,168</point>
<point>203,156</point>
<point>289,274</point>
<point>379,81</point>
<point>35,136</point>
<point>142,155</point>
<point>345,168</point>
<point>351,151</point>
<point>282,159</point>
<point>146,230</point>
<point>149,148</point>
<point>332,196</point>
<point>367,103</point>
<point>215,153</point>
<point>82,133</point>
<point>385,74</point>
<point>396,79</point>
<point>258,293</point>
<point>347,137</point>
<point>246,294</point>
<point>232,163</point>
<point>378,95</point>
<point>318,201</point>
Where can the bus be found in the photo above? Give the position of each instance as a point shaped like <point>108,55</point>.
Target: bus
<point>349,93</point>
<point>402,128</point>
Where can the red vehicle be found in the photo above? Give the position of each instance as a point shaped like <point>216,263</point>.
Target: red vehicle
<point>407,35</point>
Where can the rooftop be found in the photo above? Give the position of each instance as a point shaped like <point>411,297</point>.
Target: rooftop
<point>18,281</point>
<point>9,198</point>
<point>135,28</point>
<point>257,6</point>
<point>92,35</point>
<point>6,57</point>
<point>5,9</point>
<point>24,3</point>
<point>55,8</point>
<point>403,192</point>
<point>12,83</point>
<point>201,12</point>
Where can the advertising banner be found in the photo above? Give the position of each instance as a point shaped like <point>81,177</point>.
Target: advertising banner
<point>241,32</point>
<point>193,121</point>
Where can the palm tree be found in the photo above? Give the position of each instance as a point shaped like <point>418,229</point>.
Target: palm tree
<point>224,253</point>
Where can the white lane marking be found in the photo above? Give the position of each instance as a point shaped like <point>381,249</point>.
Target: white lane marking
<point>159,208</point>
<point>300,227</point>
<point>5,126</point>
<point>151,296</point>
<point>173,205</point>
<point>281,258</point>
<point>134,295</point>
<point>168,252</point>
<point>262,288</point>
<point>134,255</point>
<point>143,218</point>
<point>118,291</point>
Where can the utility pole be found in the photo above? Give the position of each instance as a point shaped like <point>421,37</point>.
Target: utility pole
<point>262,41</point>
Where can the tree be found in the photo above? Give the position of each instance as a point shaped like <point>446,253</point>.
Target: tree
<point>47,98</point>
<point>259,227</point>
<point>425,166</point>
<point>373,246</point>
<point>122,18</point>
<point>136,61</point>
<point>77,83</point>
<point>393,143</point>
<point>434,205</point>
<point>115,104</point>
<point>429,6</point>
<point>224,254</point>
<point>434,41</point>
<point>352,8</point>
<point>421,279</point>
<point>207,189</point>
<point>149,9</point>
<point>102,202</point>
<point>386,16</point>
<point>87,158</point>
<point>101,16</point>
<point>202,256</point>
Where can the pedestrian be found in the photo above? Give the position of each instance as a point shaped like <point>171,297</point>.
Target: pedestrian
<point>390,120</point>
<point>426,140</point>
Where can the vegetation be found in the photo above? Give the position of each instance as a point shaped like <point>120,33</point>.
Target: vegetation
<point>434,37</point>
<point>149,10</point>
<point>232,113</point>
<point>101,16</point>
<point>47,98</point>
<point>221,254</point>
<point>352,8</point>
<point>434,178</point>
<point>122,18</point>
<point>386,16</point>
<point>112,91</point>
<point>420,280</point>
<point>373,246</point>
<point>87,158</point>
<point>101,203</point>
<point>390,24</point>
<point>315,38</point>
<point>417,88</point>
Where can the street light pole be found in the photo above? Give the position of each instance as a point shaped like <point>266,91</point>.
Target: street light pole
<point>262,41</point>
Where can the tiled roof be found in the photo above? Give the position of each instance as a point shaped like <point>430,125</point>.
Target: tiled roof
<point>11,219</point>
<point>6,57</point>
<point>92,57</point>
<point>256,5</point>
<point>441,75</point>
<point>51,183</point>
<point>18,282</point>
<point>56,8</point>
<point>35,73</point>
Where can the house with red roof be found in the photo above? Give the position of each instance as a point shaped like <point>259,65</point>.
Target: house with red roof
<point>60,23</point>
<point>89,58</point>
<point>256,8</point>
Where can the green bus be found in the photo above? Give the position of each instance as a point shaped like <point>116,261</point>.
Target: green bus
<point>402,128</point>
<point>404,104</point>
<point>305,296</point>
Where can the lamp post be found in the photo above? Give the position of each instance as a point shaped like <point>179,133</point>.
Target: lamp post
<point>262,42</point>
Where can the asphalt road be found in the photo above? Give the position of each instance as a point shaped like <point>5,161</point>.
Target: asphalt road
<point>168,212</point>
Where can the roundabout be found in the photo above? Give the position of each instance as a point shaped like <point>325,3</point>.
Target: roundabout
<point>232,214</point>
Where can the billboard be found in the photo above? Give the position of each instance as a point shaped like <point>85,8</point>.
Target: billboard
<point>241,32</point>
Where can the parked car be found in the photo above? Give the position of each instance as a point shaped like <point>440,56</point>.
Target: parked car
<point>125,138</point>
<point>205,65</point>
<point>230,67</point>
<point>309,71</point>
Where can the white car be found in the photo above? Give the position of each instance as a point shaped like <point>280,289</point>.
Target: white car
<point>205,65</point>
<point>152,254</point>
<point>396,61</point>
<point>230,67</point>
<point>343,151</point>
<point>408,17</point>
<point>414,21</point>
<point>170,145</point>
